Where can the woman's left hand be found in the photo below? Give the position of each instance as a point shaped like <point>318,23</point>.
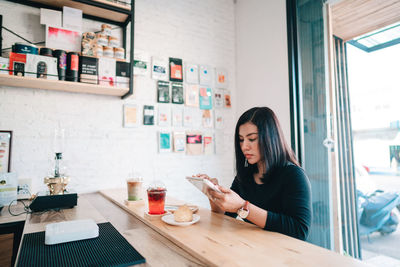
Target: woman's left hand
<point>228,200</point>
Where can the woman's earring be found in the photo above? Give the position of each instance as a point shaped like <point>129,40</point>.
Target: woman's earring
<point>246,164</point>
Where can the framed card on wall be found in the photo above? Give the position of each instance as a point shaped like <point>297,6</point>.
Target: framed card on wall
<point>5,151</point>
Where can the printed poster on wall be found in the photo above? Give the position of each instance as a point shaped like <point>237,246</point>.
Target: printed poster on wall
<point>218,98</point>
<point>130,115</point>
<point>164,115</point>
<point>219,119</point>
<point>177,116</point>
<point>177,93</point>
<point>192,73</point>
<point>207,118</point>
<point>221,78</point>
<point>140,63</point>
<point>179,142</point>
<point>208,142</point>
<point>205,75</point>
<point>164,142</point>
<point>194,143</point>
<point>227,99</point>
<point>159,68</point>
<point>148,115</point>
<point>163,92</point>
<point>192,95</point>
<point>205,98</point>
<point>175,69</point>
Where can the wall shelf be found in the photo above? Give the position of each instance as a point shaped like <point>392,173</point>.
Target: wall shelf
<point>99,10</point>
<point>75,87</point>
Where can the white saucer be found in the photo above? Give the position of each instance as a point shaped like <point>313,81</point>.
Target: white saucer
<point>169,218</point>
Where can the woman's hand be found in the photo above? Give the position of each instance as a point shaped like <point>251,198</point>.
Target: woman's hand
<point>228,200</point>
<point>207,190</point>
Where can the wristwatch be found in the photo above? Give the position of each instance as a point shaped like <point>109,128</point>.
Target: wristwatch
<point>243,212</point>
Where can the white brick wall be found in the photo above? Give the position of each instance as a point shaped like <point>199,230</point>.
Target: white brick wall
<point>99,152</point>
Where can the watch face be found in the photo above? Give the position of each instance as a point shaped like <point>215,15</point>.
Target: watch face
<point>243,213</point>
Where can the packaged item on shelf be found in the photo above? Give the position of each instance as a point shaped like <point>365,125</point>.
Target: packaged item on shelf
<point>4,65</point>
<point>88,69</point>
<point>89,43</point>
<point>72,66</point>
<point>61,56</point>
<point>17,64</point>
<point>119,52</point>
<point>22,48</point>
<point>113,41</point>
<point>102,39</point>
<point>108,51</point>
<point>41,67</point>
<point>44,51</point>
<point>107,68</point>
<point>122,74</point>
<point>106,29</point>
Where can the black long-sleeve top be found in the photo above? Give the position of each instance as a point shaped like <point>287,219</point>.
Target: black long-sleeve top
<point>285,195</point>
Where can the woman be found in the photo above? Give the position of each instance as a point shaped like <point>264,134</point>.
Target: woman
<point>270,190</point>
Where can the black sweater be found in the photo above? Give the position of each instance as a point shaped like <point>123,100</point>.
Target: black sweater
<point>285,195</point>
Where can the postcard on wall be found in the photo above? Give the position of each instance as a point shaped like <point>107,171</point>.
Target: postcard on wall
<point>60,38</point>
<point>177,93</point>
<point>179,142</point>
<point>8,188</point>
<point>207,118</point>
<point>208,143</point>
<point>192,95</point>
<point>194,143</point>
<point>188,114</point>
<point>130,115</point>
<point>219,119</point>
<point>175,69</point>
<point>163,92</point>
<point>192,73</point>
<point>164,141</point>
<point>148,115</point>
<point>164,115</point>
<point>205,98</point>
<point>227,99</point>
<point>140,63</point>
<point>205,75</point>
<point>218,98</point>
<point>159,68</point>
<point>177,116</point>
<point>221,78</point>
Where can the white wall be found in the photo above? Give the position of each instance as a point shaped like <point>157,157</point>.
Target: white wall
<point>99,152</point>
<point>261,58</point>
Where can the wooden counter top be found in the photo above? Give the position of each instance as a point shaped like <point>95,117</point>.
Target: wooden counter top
<point>219,240</point>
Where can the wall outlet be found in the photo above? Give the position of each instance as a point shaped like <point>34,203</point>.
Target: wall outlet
<point>24,188</point>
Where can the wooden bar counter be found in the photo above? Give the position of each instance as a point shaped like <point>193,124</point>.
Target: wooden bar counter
<point>215,240</point>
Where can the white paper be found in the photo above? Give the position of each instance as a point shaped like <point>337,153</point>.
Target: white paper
<point>72,18</point>
<point>218,98</point>
<point>205,75</point>
<point>130,115</point>
<point>219,119</point>
<point>141,64</point>
<point>192,73</point>
<point>50,17</point>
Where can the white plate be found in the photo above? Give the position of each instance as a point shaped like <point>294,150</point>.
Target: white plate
<point>169,218</point>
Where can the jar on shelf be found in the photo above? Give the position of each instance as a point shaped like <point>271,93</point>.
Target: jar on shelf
<point>106,29</point>
<point>119,52</point>
<point>113,41</point>
<point>102,39</point>
<point>108,51</point>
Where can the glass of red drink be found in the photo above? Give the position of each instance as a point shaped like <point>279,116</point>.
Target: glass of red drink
<point>156,195</point>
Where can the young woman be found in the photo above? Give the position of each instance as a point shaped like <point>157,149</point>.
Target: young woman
<point>270,189</point>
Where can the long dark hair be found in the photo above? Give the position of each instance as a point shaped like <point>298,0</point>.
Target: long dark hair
<point>274,150</point>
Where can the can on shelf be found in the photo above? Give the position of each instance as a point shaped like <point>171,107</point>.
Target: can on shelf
<point>72,66</point>
<point>102,39</point>
<point>113,41</point>
<point>106,29</point>
<point>61,56</point>
<point>22,48</point>
<point>45,51</point>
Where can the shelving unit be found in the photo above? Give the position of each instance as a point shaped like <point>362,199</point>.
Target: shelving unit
<point>99,10</point>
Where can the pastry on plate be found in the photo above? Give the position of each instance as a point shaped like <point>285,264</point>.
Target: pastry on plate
<point>183,214</point>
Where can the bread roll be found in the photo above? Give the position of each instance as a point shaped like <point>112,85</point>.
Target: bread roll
<point>183,214</point>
